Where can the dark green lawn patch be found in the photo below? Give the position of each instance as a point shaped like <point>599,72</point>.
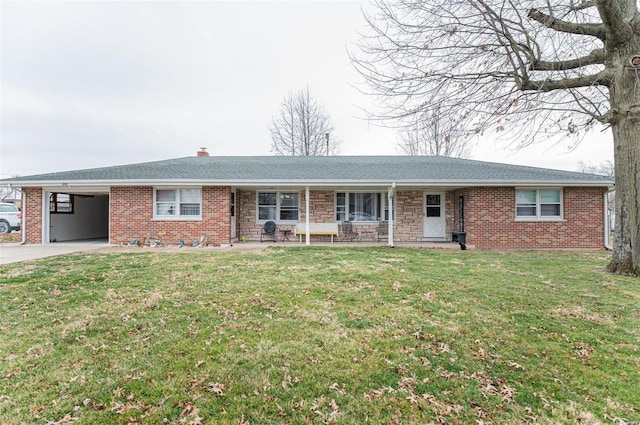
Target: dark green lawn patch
<point>316,335</point>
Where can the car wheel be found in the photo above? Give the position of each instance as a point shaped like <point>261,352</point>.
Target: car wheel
<point>4,227</point>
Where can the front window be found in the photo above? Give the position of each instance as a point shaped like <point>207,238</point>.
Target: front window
<point>361,206</point>
<point>550,203</point>
<point>539,204</point>
<point>341,206</point>
<point>178,203</point>
<point>267,206</point>
<point>289,207</point>
<point>278,206</point>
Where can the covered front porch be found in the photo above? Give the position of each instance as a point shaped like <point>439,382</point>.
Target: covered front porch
<point>376,214</point>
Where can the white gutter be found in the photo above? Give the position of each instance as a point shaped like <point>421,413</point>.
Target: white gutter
<point>105,184</point>
<point>607,224</point>
<point>23,221</point>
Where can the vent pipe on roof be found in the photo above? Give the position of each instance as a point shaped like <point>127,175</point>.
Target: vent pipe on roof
<point>326,135</point>
<point>203,152</point>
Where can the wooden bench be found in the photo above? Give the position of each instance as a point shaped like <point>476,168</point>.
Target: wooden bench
<point>323,229</point>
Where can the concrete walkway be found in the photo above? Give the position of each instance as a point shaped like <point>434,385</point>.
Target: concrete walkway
<point>14,252</point>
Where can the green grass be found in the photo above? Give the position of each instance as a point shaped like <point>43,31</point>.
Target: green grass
<point>312,335</point>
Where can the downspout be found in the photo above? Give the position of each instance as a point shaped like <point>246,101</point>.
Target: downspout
<point>391,194</point>
<point>306,216</point>
<point>607,224</point>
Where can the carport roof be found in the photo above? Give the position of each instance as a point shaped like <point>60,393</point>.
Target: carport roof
<point>260,170</point>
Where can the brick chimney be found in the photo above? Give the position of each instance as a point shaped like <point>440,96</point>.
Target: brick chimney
<point>203,152</point>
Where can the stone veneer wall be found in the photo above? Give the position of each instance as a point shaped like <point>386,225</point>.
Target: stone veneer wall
<point>321,208</point>
<point>408,227</point>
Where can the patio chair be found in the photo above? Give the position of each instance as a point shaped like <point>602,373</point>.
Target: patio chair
<point>348,234</point>
<point>268,230</point>
<point>383,231</point>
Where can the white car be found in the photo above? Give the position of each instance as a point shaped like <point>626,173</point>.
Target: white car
<point>9,218</point>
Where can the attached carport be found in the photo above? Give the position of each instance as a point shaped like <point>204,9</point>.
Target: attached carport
<point>74,215</point>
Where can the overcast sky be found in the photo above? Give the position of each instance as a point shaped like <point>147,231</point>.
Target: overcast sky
<point>92,84</point>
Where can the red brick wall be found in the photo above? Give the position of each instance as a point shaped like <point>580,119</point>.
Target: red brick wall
<point>32,214</point>
<point>489,220</point>
<point>131,217</point>
<point>489,217</point>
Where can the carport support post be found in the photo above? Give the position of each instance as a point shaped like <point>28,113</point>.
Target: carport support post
<point>306,215</point>
<point>46,217</point>
<point>391,194</point>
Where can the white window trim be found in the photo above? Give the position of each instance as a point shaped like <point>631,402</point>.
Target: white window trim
<point>277,220</point>
<point>176,217</point>
<point>383,205</point>
<point>539,217</point>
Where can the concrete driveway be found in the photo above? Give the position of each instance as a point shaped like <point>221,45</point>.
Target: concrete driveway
<point>13,252</point>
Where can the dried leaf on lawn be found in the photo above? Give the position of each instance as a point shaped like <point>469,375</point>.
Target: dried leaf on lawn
<point>216,388</point>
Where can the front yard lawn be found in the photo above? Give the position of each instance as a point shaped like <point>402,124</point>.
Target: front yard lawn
<point>319,335</point>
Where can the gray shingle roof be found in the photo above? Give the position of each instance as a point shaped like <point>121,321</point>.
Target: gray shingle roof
<point>265,169</point>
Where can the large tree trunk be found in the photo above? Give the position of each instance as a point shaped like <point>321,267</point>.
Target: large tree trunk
<point>626,248</point>
<point>625,125</point>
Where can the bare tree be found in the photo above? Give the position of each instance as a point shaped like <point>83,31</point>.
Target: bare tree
<point>528,69</point>
<point>434,134</point>
<point>8,193</point>
<point>302,127</point>
<point>604,168</point>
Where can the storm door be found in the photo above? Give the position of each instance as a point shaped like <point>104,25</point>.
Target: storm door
<point>433,214</point>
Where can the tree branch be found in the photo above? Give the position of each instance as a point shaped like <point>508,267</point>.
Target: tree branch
<point>602,78</point>
<point>595,57</point>
<point>595,30</point>
<point>583,5</point>
<point>615,16</point>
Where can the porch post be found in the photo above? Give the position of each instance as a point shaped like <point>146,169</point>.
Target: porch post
<point>45,217</point>
<point>306,215</point>
<point>391,193</point>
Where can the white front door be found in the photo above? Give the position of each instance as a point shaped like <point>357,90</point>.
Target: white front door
<point>233,214</point>
<point>433,215</point>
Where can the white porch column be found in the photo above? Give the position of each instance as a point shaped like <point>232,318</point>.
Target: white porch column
<point>46,217</point>
<point>306,215</point>
<point>391,194</point>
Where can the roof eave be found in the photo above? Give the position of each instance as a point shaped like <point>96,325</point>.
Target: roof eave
<point>310,183</point>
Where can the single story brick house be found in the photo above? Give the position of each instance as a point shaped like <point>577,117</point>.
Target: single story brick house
<point>224,199</point>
